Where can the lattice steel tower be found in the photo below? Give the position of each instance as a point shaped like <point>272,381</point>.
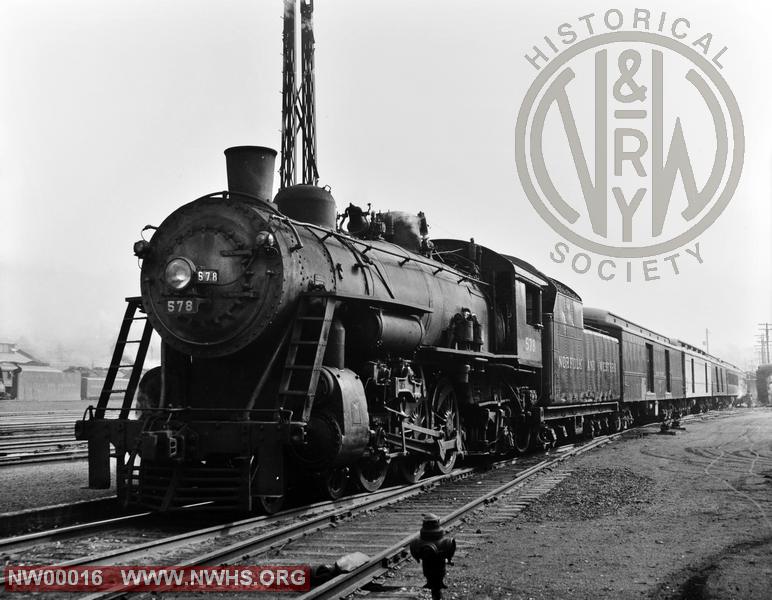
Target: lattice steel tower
<point>298,104</point>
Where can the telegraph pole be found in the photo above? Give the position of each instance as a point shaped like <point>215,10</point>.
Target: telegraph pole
<point>764,340</point>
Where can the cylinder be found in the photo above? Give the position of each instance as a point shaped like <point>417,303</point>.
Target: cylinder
<point>250,170</point>
<point>309,204</point>
<point>339,426</point>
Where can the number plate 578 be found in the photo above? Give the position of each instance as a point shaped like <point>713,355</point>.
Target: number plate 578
<point>182,307</point>
<point>207,276</point>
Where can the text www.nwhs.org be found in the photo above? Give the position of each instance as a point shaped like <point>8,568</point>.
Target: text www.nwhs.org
<point>154,578</point>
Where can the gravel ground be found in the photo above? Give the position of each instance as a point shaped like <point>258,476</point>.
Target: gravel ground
<point>591,493</point>
<point>666,517</point>
<point>46,484</point>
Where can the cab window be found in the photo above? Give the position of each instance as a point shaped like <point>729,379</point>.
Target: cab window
<point>532,305</point>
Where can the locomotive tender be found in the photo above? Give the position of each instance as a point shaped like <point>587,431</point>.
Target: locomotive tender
<point>297,352</point>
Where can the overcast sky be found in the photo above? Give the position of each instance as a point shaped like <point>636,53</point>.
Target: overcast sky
<point>113,113</point>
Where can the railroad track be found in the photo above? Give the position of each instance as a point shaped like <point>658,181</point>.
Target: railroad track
<point>58,516</point>
<point>14,460</point>
<point>28,439</point>
<point>185,547</point>
<point>316,534</point>
<point>10,422</point>
<point>21,427</point>
<point>450,512</point>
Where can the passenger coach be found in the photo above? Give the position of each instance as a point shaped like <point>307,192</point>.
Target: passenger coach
<point>664,377</point>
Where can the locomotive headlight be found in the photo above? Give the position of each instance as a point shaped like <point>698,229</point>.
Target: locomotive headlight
<point>179,273</point>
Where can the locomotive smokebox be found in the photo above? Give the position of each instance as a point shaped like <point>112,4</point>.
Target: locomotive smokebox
<point>309,204</point>
<point>250,170</point>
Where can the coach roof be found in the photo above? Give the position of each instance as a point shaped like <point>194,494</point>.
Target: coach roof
<point>606,319</point>
<point>699,351</point>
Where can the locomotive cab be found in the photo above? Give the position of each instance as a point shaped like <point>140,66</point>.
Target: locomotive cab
<point>514,291</point>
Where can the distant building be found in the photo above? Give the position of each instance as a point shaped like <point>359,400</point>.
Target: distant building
<point>11,354</point>
<point>36,383</point>
<point>24,377</point>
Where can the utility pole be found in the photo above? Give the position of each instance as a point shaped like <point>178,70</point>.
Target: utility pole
<point>762,348</point>
<point>764,339</point>
<point>707,346</point>
<point>298,108</point>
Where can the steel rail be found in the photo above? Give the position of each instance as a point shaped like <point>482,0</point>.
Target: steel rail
<point>39,443</point>
<point>15,460</point>
<point>36,413</point>
<point>14,429</point>
<point>353,505</point>
<point>293,531</point>
<point>7,429</point>
<point>348,583</point>
<point>61,420</point>
<point>43,435</point>
<point>58,515</point>
<point>286,534</point>
<point>29,540</point>
<point>322,515</point>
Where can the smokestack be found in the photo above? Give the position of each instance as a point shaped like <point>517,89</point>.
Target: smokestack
<point>250,170</point>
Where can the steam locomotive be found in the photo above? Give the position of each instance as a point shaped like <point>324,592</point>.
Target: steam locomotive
<point>301,347</point>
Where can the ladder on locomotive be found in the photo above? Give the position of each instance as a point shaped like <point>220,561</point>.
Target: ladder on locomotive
<point>133,304</point>
<point>307,346</point>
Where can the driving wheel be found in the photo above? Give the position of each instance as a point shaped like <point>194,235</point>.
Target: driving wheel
<point>446,420</point>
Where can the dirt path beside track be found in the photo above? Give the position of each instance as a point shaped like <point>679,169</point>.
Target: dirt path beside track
<point>679,516</point>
